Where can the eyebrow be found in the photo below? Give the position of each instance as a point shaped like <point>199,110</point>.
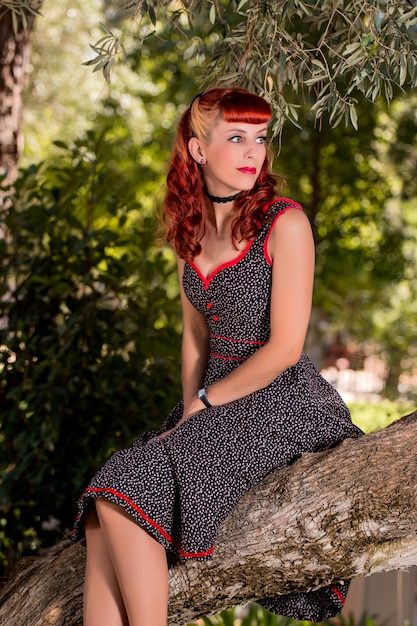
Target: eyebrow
<point>241,130</point>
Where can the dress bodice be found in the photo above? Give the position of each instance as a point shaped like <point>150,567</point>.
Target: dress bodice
<point>235,297</point>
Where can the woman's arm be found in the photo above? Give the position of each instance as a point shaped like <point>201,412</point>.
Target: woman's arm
<point>195,348</point>
<point>291,247</point>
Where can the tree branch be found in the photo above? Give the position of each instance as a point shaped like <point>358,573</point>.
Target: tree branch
<point>342,513</point>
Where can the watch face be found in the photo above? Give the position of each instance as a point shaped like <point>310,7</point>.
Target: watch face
<point>201,394</point>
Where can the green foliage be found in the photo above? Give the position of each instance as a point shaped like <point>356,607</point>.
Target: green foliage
<point>365,235</point>
<point>347,181</point>
<point>89,336</point>
<point>289,51</point>
<point>349,620</point>
<point>375,416</point>
<point>254,615</point>
<point>249,615</point>
<point>19,11</point>
<point>63,98</point>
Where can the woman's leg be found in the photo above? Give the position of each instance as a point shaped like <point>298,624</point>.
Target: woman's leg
<point>140,564</point>
<point>103,603</point>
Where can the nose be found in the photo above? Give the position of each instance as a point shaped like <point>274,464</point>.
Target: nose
<point>252,150</point>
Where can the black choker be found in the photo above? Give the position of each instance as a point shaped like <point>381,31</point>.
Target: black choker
<point>219,199</point>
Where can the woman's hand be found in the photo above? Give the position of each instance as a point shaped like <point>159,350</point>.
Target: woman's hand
<point>163,435</point>
<point>196,406</point>
<point>166,433</point>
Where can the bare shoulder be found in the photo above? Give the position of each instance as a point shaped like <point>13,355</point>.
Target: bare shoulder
<point>292,228</point>
<point>291,218</point>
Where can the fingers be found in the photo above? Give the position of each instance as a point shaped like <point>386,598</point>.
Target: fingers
<point>161,436</point>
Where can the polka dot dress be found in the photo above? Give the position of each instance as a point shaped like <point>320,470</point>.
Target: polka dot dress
<point>181,488</point>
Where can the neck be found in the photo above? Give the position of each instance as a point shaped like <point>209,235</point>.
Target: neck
<point>220,199</point>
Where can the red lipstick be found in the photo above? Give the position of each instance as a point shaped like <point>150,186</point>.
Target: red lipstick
<point>247,170</point>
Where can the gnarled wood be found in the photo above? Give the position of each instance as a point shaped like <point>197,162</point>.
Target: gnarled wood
<point>14,59</point>
<point>343,513</point>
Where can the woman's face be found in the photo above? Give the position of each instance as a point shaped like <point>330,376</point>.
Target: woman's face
<point>233,157</point>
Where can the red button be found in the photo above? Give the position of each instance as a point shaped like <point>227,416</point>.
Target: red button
<point>215,318</point>
<point>210,304</point>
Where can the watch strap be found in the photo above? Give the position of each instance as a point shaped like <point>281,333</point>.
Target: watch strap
<point>201,393</point>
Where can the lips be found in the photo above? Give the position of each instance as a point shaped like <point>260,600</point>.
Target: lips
<point>247,170</point>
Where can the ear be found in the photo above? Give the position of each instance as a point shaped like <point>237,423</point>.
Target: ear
<point>196,150</point>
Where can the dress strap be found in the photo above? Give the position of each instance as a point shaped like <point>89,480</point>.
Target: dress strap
<point>277,208</point>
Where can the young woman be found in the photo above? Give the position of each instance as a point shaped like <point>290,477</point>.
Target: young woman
<point>252,400</point>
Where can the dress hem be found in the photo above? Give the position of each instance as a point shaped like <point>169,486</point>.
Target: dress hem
<point>106,491</point>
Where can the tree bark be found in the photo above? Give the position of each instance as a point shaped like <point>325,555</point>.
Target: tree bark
<point>14,59</point>
<point>343,513</point>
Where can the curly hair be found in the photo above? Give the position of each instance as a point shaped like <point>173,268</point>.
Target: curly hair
<point>185,211</point>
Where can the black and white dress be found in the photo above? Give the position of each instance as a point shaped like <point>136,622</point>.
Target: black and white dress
<point>181,488</point>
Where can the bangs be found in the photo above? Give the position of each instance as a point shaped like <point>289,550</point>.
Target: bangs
<point>243,106</point>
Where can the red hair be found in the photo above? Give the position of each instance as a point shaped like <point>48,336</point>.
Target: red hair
<point>185,212</point>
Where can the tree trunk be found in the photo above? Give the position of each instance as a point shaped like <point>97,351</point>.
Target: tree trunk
<point>14,59</point>
<point>342,513</point>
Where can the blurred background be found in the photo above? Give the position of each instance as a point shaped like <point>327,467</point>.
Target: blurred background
<point>90,318</point>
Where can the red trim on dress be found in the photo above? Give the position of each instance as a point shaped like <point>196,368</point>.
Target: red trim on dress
<point>238,340</point>
<point>228,358</point>
<point>294,205</point>
<point>207,279</point>
<point>150,521</point>
<point>339,595</point>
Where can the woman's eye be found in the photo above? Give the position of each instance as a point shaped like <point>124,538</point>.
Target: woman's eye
<point>239,139</point>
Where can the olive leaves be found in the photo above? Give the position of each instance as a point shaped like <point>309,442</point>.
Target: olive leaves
<point>326,55</point>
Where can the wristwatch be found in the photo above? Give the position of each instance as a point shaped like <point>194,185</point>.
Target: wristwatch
<point>201,394</point>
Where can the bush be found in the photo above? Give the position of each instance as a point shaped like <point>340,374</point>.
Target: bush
<point>89,335</point>
<point>371,416</point>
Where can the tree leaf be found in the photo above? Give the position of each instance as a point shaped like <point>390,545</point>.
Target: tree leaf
<point>189,52</point>
<point>241,5</point>
<point>15,22</point>
<point>212,14</point>
<point>403,69</point>
<point>152,15</point>
<point>353,116</point>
